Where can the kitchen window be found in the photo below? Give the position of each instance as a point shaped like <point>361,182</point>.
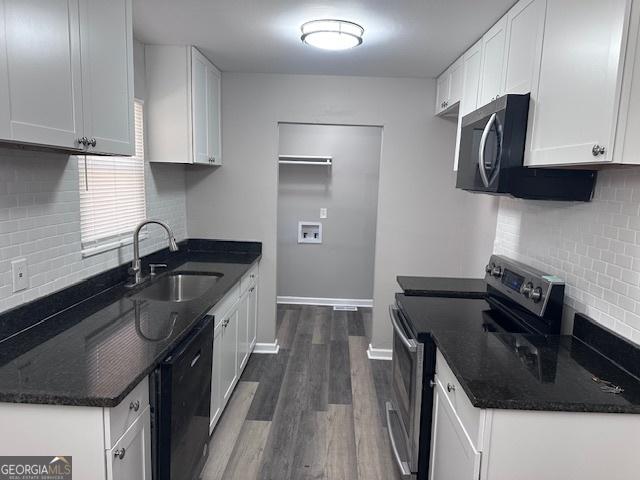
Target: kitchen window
<point>112,195</point>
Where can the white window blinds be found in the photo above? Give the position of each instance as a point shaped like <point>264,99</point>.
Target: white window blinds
<point>112,196</point>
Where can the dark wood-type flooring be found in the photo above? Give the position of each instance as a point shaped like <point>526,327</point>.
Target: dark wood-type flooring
<point>313,411</point>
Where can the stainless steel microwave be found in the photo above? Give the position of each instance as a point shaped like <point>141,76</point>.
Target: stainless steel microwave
<point>492,144</point>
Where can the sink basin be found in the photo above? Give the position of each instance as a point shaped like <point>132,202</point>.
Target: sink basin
<point>179,287</point>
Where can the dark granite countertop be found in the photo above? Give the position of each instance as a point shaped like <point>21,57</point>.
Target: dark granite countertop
<point>533,372</point>
<point>443,286</point>
<point>515,370</point>
<point>95,352</point>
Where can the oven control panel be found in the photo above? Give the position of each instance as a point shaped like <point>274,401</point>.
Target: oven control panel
<point>527,286</point>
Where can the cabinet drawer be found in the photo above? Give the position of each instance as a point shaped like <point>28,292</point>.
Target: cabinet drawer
<point>119,418</point>
<point>469,414</point>
<point>226,304</point>
<point>249,279</point>
<point>130,456</point>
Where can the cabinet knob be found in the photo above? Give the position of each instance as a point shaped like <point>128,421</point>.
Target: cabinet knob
<point>451,387</point>
<point>597,150</point>
<point>135,406</point>
<point>83,141</point>
<point>93,142</point>
<point>120,453</point>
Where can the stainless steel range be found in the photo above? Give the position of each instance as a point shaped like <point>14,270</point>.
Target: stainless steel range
<point>519,299</point>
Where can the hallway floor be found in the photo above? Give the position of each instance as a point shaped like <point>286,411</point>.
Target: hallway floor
<point>313,411</point>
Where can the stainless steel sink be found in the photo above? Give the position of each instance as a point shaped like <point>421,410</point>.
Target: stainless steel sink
<point>179,287</point>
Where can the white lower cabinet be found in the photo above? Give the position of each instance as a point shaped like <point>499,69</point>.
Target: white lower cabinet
<point>243,331</point>
<point>234,337</point>
<point>104,443</point>
<point>130,457</point>
<point>469,443</point>
<point>229,367</point>
<point>252,316</point>
<point>216,381</point>
<point>453,454</point>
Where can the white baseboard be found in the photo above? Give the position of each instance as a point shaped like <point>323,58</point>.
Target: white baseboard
<point>379,353</point>
<point>329,302</point>
<point>272,348</point>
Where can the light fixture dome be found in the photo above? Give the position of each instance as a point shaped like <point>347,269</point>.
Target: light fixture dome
<point>332,34</point>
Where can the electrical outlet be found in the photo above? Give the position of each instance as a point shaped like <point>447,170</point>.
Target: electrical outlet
<point>20,275</point>
<point>323,213</point>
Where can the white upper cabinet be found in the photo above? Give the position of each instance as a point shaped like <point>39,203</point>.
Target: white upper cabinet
<point>199,108</point>
<point>471,78</point>
<point>42,73</point>
<point>472,65</point>
<point>442,91</point>
<point>457,81</point>
<point>67,74</point>
<point>580,82</point>
<point>449,87</point>
<point>214,113</point>
<point>183,106</point>
<point>493,55</point>
<point>107,75</point>
<point>525,27</point>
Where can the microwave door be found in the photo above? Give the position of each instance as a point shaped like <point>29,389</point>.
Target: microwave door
<point>490,151</point>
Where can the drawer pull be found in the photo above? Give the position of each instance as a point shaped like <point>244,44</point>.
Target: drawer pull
<point>135,406</point>
<point>451,388</point>
<point>120,453</point>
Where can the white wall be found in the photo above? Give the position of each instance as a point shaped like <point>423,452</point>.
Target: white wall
<point>425,226</point>
<point>594,247</point>
<point>40,217</point>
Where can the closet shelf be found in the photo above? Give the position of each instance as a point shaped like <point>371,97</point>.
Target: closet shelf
<point>320,160</point>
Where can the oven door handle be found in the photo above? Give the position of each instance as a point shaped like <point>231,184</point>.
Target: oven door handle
<point>410,343</point>
<point>483,144</point>
<point>402,465</point>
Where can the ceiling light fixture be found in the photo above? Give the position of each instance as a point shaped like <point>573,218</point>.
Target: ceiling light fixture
<point>332,34</point>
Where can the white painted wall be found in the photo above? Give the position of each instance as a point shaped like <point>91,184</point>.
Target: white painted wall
<point>594,247</point>
<point>425,226</point>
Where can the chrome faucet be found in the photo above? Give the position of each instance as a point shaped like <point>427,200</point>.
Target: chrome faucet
<point>136,269</point>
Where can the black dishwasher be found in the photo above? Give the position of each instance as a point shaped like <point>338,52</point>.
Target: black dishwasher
<point>181,399</point>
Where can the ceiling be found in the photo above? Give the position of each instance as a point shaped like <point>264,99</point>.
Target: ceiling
<point>403,38</point>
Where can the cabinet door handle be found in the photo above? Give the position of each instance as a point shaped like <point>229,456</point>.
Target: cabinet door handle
<point>93,142</point>
<point>120,453</point>
<point>83,141</point>
<point>451,388</point>
<point>598,150</point>
<point>135,406</point>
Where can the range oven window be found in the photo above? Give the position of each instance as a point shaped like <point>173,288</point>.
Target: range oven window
<point>512,280</point>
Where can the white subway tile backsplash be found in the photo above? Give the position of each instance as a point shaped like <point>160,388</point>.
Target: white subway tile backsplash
<point>594,247</point>
<point>40,220</point>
